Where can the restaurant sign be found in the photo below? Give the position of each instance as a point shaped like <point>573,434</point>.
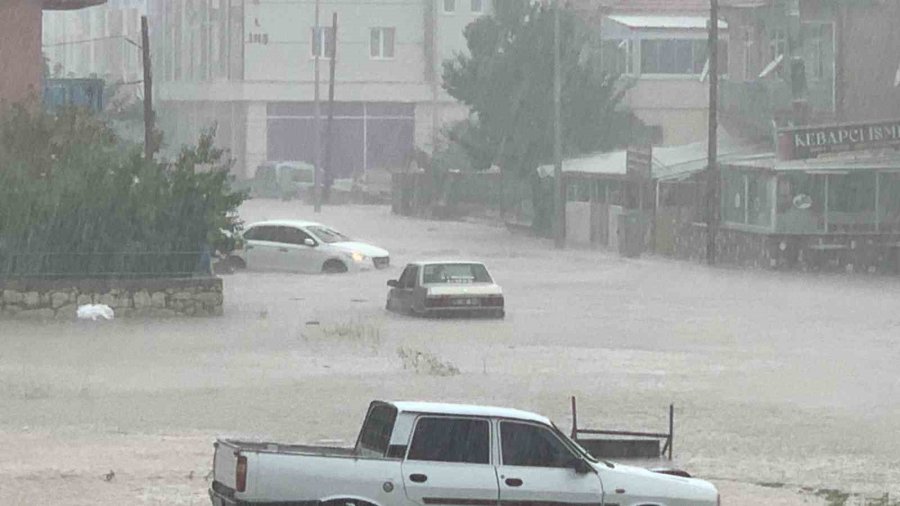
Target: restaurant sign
<point>639,162</point>
<point>810,142</point>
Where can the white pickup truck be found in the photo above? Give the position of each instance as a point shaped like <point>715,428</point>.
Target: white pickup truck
<point>429,454</point>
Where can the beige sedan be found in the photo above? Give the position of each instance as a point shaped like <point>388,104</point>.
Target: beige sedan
<point>446,288</point>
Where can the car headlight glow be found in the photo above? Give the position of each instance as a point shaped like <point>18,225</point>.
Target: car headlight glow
<point>358,257</point>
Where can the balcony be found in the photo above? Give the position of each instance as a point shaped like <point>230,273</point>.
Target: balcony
<point>748,108</point>
<point>68,5</point>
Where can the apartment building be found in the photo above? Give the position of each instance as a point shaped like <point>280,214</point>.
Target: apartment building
<point>248,66</point>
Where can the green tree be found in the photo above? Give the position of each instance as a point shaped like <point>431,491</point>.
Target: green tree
<point>507,81</point>
<point>75,200</point>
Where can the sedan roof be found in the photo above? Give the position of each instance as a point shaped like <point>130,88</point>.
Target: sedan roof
<point>443,262</point>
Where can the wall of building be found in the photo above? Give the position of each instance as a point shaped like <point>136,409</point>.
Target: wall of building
<point>852,253</point>
<point>20,50</point>
<point>870,62</point>
<point>677,104</point>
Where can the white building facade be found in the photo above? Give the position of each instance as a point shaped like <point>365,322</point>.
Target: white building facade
<point>248,66</point>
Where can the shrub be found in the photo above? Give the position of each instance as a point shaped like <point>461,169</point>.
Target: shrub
<point>76,201</point>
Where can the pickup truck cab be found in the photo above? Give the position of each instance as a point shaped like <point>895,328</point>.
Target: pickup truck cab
<point>430,454</point>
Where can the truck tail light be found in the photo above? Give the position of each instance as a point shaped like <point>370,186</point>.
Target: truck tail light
<point>240,474</point>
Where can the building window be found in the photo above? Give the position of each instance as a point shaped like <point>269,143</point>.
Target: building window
<point>381,43</point>
<point>746,198</point>
<point>449,6</point>
<point>477,6</point>
<point>777,48</point>
<point>677,56</point>
<point>819,51</point>
<point>748,43</point>
<point>616,56</point>
<point>324,38</point>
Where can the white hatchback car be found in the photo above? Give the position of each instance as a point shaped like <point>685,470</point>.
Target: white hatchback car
<point>303,246</point>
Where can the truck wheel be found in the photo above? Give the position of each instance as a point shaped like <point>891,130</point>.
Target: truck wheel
<point>345,502</point>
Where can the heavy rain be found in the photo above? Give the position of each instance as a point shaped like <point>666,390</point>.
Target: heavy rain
<point>449,252</point>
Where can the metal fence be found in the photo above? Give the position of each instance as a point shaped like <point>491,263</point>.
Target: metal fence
<point>54,265</point>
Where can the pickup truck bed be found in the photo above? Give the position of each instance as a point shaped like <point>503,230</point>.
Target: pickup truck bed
<point>297,449</point>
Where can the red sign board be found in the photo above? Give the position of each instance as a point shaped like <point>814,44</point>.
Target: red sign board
<point>810,142</point>
<point>639,162</point>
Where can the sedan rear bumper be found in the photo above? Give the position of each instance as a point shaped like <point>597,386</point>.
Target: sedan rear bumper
<point>484,311</point>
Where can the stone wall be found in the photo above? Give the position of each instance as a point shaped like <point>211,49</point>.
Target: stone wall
<point>40,298</point>
<point>874,254</point>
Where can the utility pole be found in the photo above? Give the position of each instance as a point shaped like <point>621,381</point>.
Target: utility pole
<point>329,134</point>
<point>149,119</point>
<point>559,224</point>
<point>712,168</point>
<point>435,80</point>
<point>317,190</point>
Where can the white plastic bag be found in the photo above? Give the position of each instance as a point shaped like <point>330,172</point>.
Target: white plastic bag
<point>95,312</point>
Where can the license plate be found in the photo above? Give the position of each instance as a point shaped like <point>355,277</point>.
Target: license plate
<point>465,302</point>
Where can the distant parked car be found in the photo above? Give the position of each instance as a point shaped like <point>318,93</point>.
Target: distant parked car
<point>445,288</point>
<point>303,246</point>
<point>280,180</point>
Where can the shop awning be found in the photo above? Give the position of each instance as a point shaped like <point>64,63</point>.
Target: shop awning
<point>664,22</point>
<point>669,162</point>
<point>886,162</point>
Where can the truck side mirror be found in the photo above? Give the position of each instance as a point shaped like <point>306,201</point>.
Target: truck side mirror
<point>393,283</point>
<point>309,242</point>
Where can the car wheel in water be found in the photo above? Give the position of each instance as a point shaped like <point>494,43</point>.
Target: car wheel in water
<point>334,267</point>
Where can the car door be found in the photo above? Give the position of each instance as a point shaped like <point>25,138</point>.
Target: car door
<point>536,466</point>
<point>402,294</point>
<point>261,248</point>
<point>300,256</point>
<point>448,463</point>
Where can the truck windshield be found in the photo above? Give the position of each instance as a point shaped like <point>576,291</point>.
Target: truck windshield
<point>375,436</point>
<point>577,447</point>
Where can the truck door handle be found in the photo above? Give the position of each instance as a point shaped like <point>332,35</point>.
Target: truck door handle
<point>283,250</point>
<point>514,482</point>
<point>418,478</point>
